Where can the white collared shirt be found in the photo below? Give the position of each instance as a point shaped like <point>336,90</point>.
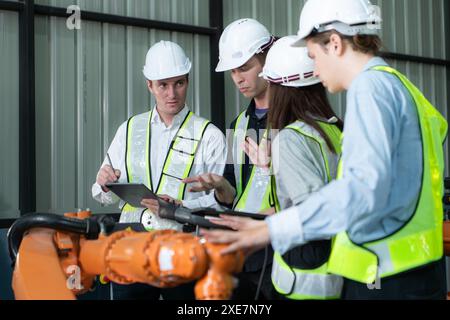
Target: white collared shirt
<point>210,158</point>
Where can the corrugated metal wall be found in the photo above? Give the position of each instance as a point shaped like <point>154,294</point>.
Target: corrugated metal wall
<point>414,27</point>
<point>89,81</point>
<point>194,12</point>
<point>9,114</point>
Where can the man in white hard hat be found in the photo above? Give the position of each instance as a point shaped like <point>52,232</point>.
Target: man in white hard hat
<point>160,148</point>
<point>243,48</point>
<point>384,211</point>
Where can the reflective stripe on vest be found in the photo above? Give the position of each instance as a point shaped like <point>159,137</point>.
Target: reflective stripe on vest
<point>296,283</point>
<point>255,197</point>
<point>177,166</point>
<point>419,241</point>
<point>301,284</point>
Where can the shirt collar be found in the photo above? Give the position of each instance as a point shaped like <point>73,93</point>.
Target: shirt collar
<point>375,61</point>
<point>251,110</point>
<point>177,120</point>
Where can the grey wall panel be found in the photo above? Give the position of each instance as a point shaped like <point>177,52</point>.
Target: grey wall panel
<point>90,81</point>
<point>234,101</point>
<point>201,84</point>
<point>43,114</point>
<point>9,114</point>
<point>186,11</point>
<point>118,7</point>
<point>138,97</point>
<point>431,80</point>
<point>114,79</point>
<point>415,27</point>
<point>63,115</point>
<point>89,111</point>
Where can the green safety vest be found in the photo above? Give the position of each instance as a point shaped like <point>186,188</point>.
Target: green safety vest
<point>255,196</point>
<point>419,241</point>
<point>317,283</point>
<point>177,166</point>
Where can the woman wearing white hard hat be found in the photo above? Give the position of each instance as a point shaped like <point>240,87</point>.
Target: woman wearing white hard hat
<point>385,208</point>
<point>304,154</point>
<point>155,148</point>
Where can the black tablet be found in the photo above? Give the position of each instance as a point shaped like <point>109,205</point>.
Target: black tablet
<point>133,193</point>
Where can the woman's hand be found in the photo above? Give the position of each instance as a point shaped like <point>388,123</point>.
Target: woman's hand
<point>236,223</point>
<point>249,240</point>
<point>260,154</point>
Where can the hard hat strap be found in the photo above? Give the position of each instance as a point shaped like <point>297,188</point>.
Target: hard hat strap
<point>288,79</point>
<point>367,28</point>
<point>266,46</point>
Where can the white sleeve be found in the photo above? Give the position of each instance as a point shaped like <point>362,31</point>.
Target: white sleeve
<point>213,154</point>
<point>116,151</point>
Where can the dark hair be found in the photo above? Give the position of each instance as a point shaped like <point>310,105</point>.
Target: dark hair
<point>262,57</point>
<point>371,44</point>
<point>288,104</point>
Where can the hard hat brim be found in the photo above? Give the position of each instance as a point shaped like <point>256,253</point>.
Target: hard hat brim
<point>152,77</point>
<point>221,67</point>
<point>300,42</point>
<point>301,36</point>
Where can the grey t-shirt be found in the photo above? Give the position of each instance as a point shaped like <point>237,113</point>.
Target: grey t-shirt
<point>299,167</point>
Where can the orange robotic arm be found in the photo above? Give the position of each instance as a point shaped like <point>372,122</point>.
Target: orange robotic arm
<point>47,260</point>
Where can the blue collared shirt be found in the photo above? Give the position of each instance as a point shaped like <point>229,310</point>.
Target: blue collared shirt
<point>382,171</point>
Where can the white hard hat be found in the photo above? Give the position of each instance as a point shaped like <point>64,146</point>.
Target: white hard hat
<point>289,66</point>
<point>241,40</point>
<point>348,17</point>
<point>165,60</point>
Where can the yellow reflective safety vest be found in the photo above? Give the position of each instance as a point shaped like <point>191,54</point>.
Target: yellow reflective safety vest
<point>177,165</point>
<point>419,241</point>
<point>255,196</point>
<point>317,283</point>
